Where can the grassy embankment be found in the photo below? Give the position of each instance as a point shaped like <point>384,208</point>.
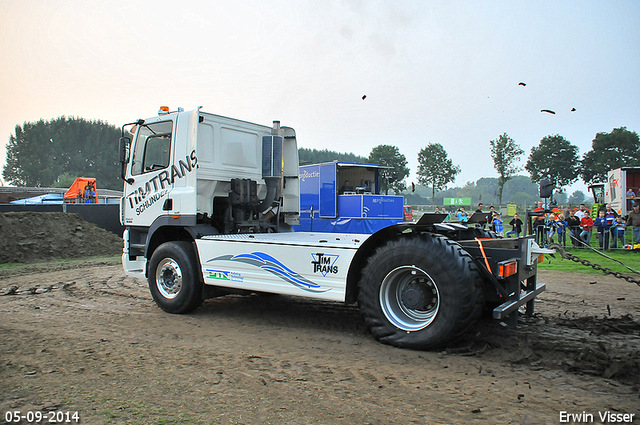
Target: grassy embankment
<point>627,257</point>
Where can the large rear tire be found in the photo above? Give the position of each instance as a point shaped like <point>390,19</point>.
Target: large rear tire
<point>174,284</point>
<point>420,292</point>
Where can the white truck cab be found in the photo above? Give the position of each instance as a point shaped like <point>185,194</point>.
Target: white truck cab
<point>208,208</point>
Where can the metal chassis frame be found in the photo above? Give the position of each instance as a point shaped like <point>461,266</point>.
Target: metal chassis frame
<point>516,291</point>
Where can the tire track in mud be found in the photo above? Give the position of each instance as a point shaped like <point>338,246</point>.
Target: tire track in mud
<point>220,376</point>
<point>92,283</point>
<point>273,359</point>
<point>573,342</point>
<point>310,359</point>
<point>605,347</point>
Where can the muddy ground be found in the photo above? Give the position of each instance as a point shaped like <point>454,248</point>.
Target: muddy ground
<point>81,336</point>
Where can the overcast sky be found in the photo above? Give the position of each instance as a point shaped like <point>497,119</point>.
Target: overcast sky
<point>433,71</point>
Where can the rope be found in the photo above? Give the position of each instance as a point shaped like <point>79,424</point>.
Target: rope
<point>486,261</point>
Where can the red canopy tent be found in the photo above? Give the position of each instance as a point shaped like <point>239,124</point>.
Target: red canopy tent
<point>82,191</point>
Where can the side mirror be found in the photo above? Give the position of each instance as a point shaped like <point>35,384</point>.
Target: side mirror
<point>123,156</point>
<point>123,150</point>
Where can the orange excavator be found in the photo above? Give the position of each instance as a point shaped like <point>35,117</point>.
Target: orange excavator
<point>82,191</point>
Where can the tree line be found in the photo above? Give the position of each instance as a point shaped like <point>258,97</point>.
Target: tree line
<point>52,153</point>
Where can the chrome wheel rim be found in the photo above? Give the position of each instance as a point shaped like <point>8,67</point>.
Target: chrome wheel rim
<point>169,278</point>
<point>409,298</point>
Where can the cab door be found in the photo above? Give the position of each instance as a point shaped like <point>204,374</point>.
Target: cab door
<point>149,174</point>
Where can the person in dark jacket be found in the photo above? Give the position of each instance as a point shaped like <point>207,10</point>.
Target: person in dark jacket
<point>617,232</point>
<point>561,229</point>
<point>602,230</point>
<point>634,221</point>
<point>478,210</point>
<point>516,225</point>
<point>489,219</point>
<point>573,223</point>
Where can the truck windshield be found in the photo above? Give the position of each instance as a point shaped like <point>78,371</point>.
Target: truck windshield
<point>152,147</point>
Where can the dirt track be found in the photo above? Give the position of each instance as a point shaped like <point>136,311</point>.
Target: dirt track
<point>83,337</point>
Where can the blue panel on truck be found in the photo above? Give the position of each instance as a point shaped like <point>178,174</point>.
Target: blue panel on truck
<point>350,206</point>
<point>370,206</point>
<point>348,212</point>
<point>383,206</point>
<point>309,177</point>
<point>352,225</point>
<point>343,225</point>
<point>328,191</point>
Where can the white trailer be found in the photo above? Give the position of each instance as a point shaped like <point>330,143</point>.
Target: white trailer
<point>208,206</point>
<point>621,182</point>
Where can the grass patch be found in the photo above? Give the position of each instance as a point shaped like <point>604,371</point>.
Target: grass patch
<point>141,412</point>
<point>10,265</point>
<point>627,257</point>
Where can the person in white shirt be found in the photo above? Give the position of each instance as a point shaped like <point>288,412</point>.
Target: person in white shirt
<point>581,212</point>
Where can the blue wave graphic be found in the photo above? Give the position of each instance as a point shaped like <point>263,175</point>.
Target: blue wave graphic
<point>290,278</point>
<point>266,258</point>
<point>276,267</point>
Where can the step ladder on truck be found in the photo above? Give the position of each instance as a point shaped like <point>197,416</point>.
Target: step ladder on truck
<point>208,206</point>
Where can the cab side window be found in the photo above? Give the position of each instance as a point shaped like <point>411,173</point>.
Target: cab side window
<point>153,148</point>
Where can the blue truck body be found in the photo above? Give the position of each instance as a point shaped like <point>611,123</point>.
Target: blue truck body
<point>329,204</point>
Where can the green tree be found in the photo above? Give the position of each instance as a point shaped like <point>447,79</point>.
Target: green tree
<point>65,180</point>
<point>392,178</point>
<point>505,152</point>
<point>43,152</point>
<point>520,184</point>
<point>315,156</point>
<point>523,199</point>
<point>435,169</point>
<point>560,198</point>
<point>485,190</point>
<point>577,197</point>
<point>609,151</point>
<point>556,159</point>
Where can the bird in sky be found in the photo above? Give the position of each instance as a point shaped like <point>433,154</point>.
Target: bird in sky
<point>364,97</point>
<point>573,109</point>
<point>548,111</point>
<point>522,84</point>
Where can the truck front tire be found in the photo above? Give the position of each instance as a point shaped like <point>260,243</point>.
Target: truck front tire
<point>174,284</point>
<point>420,292</point>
